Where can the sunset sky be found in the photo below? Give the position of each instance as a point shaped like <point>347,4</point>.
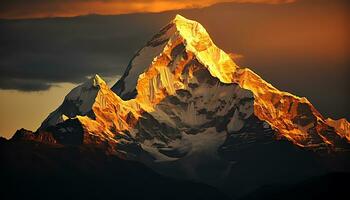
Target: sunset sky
<point>19,9</point>
<point>299,46</point>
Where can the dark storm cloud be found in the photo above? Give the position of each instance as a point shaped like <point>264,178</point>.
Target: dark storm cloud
<point>68,50</point>
<point>24,84</point>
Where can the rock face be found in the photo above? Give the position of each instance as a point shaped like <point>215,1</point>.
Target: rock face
<point>341,126</point>
<point>185,108</point>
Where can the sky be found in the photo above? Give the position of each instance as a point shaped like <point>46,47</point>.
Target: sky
<point>298,46</point>
<point>21,9</point>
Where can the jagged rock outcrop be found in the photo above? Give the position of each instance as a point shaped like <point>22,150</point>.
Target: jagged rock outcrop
<point>341,126</point>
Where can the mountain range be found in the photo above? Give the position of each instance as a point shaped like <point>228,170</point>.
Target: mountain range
<point>187,111</point>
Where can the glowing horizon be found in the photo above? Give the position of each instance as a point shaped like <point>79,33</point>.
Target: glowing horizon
<point>48,9</point>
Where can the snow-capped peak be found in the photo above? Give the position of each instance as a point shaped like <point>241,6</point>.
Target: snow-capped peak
<point>79,101</point>
<point>198,41</point>
<point>86,93</point>
<point>180,32</point>
<point>97,80</point>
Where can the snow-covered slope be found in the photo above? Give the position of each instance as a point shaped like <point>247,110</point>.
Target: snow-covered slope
<point>98,110</point>
<point>184,42</point>
<point>79,101</point>
<point>179,34</point>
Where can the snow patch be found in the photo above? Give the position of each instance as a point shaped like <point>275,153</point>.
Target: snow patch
<point>235,123</point>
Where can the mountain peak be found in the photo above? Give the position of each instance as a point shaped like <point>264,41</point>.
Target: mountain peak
<point>95,81</point>
<point>198,41</point>
<point>180,34</point>
<point>79,101</point>
<point>179,17</point>
<point>189,28</point>
<point>90,86</point>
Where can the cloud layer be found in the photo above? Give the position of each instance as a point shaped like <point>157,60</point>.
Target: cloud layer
<point>35,54</point>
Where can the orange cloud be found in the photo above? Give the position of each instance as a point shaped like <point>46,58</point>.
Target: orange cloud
<point>19,9</point>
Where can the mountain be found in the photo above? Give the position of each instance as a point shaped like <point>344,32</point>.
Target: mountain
<point>186,110</point>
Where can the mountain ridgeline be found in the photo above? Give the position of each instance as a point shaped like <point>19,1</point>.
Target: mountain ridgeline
<point>185,109</point>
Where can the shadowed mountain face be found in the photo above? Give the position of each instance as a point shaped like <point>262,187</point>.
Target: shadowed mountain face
<point>185,109</point>
<point>41,171</point>
<point>45,171</point>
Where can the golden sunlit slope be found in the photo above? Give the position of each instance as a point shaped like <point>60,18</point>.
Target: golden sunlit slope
<point>160,79</point>
<point>166,65</point>
<point>342,126</point>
